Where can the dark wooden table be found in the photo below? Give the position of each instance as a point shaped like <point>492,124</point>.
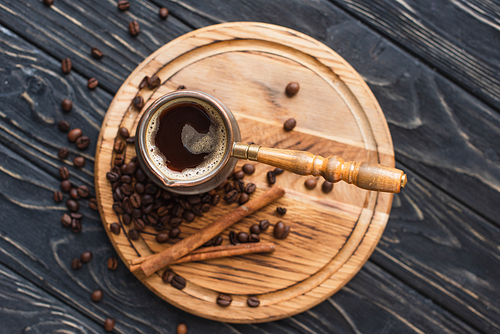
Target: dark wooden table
<point>434,68</point>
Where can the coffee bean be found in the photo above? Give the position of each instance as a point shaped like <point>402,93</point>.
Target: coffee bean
<point>244,197</point>
<point>64,126</point>
<point>96,53</point>
<point>109,325</point>
<point>292,88</point>
<point>176,221</point>
<point>239,185</point>
<point>79,162</point>
<point>64,172</point>
<point>119,146</point>
<point>141,177</point>
<point>86,257</point>
<point>135,200</point>
<point>233,238</point>
<point>281,231</point>
<point>248,169</point>
<point>310,183</point>
<point>92,83</point>
<point>208,243</point>
<point>154,82</point>
<point>130,170</point>
<point>231,196</point>
<point>65,186</point>
<point>264,224</point>
<point>58,197</point>
<point>253,238</point>
<point>66,105</point>
<point>327,187</point>
<point>242,237</point>
<point>164,220</point>
<point>74,134</point>
<point>194,199</point>
<point>72,205</point>
<point>271,177</point>
<point>96,295</point>
<point>152,218</point>
<point>76,226</point>
<point>133,28</point>
<point>163,13</point>
<point>119,159</point>
<point>127,189</point>
<point>168,276</point>
<point>229,187</point>
<point>255,229</point>
<point>188,216</point>
<point>289,124</point>
<point>83,142</point>
<point>76,264</point>
<point>63,153</point>
<point>144,82</point>
<point>112,263</point>
<point>174,233</point>
<point>127,207</point>
<point>66,220</point>
<point>250,188</point>
<point>224,300</point>
<point>181,87</point>
<point>214,200</point>
<point>147,199</point>
<point>217,240</point>
<point>73,193</point>
<point>48,2</point>
<point>239,175</point>
<point>117,207</point>
<point>127,219</point>
<point>178,282</point>
<point>253,301</point>
<point>139,102</point>
<point>115,228</point>
<point>281,210</point>
<point>93,204</point>
<point>66,65</point>
<point>124,132</point>
<point>162,237</point>
<point>123,5</point>
<point>83,191</point>
<point>278,171</point>
<point>133,234</point>
<point>76,215</point>
<point>182,329</point>
<point>205,207</point>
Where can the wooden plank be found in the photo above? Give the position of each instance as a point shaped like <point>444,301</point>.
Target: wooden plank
<point>71,28</point>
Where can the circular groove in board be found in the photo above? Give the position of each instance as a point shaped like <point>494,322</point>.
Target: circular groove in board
<point>247,66</point>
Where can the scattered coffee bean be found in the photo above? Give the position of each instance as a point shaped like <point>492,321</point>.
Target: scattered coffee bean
<point>178,282</point>
<point>250,188</point>
<point>123,5</point>
<point>174,233</point>
<point>292,88</point>
<point>48,2</point>
<point>168,276</point>
<point>217,240</point>
<point>124,132</point>
<point>231,196</point>
<point>289,124</point>
<point>141,177</point>
<point>327,187</point>
<point>188,216</point>
<point>76,215</point>
<point>66,220</point>
<point>278,171</point>
<point>154,82</point>
<point>96,53</point>
<point>83,142</point>
<point>224,300</point>
<point>239,175</point>
<point>139,102</point>
<point>63,153</point>
<point>119,159</point>
<point>93,204</point>
<point>115,228</point>
<point>176,221</point>
<point>232,238</point>
<point>264,224</point>
<point>229,187</point>
<point>281,210</point>
<point>66,105</point>
<point>119,146</point>
<point>65,186</point>
<point>205,207</point>
<point>64,172</point>
<point>76,264</point>
<point>182,329</point>
<point>144,82</point>
<point>74,134</point>
<point>79,162</point>
<point>58,197</point>
<point>255,229</point>
<point>127,219</point>
<point>83,191</point>
<point>162,237</point>
<point>92,83</point>
<point>253,301</point>
<point>242,237</point>
<point>163,13</point>
<point>76,226</point>
<point>66,65</point>
<point>73,193</point>
<point>131,168</point>
<point>181,87</point>
<point>208,243</point>
<point>310,183</point>
<point>72,205</point>
<point>86,257</point>
<point>244,197</point>
<point>64,126</point>
<point>96,295</point>
<point>133,28</point>
<point>133,234</point>
<point>281,231</point>
<point>112,263</point>
<point>253,238</point>
<point>271,177</point>
<point>109,325</point>
<point>248,169</point>
<point>214,200</point>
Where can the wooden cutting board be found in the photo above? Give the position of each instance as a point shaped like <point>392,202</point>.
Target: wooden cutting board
<point>247,66</point>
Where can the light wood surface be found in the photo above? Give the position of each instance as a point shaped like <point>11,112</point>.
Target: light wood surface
<point>247,66</point>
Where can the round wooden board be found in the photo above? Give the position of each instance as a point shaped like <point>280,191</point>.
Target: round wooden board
<point>247,66</point>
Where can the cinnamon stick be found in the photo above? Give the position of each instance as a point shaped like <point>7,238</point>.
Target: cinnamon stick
<point>199,238</point>
<point>227,251</point>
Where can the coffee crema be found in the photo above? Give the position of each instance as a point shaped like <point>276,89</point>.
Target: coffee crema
<point>186,139</point>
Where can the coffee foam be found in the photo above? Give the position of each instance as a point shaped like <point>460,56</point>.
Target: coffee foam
<point>211,161</point>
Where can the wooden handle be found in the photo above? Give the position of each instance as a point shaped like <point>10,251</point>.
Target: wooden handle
<point>366,175</point>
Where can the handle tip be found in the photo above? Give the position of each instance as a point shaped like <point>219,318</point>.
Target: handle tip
<point>404,180</point>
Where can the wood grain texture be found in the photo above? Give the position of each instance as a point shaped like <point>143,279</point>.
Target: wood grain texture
<point>223,53</point>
